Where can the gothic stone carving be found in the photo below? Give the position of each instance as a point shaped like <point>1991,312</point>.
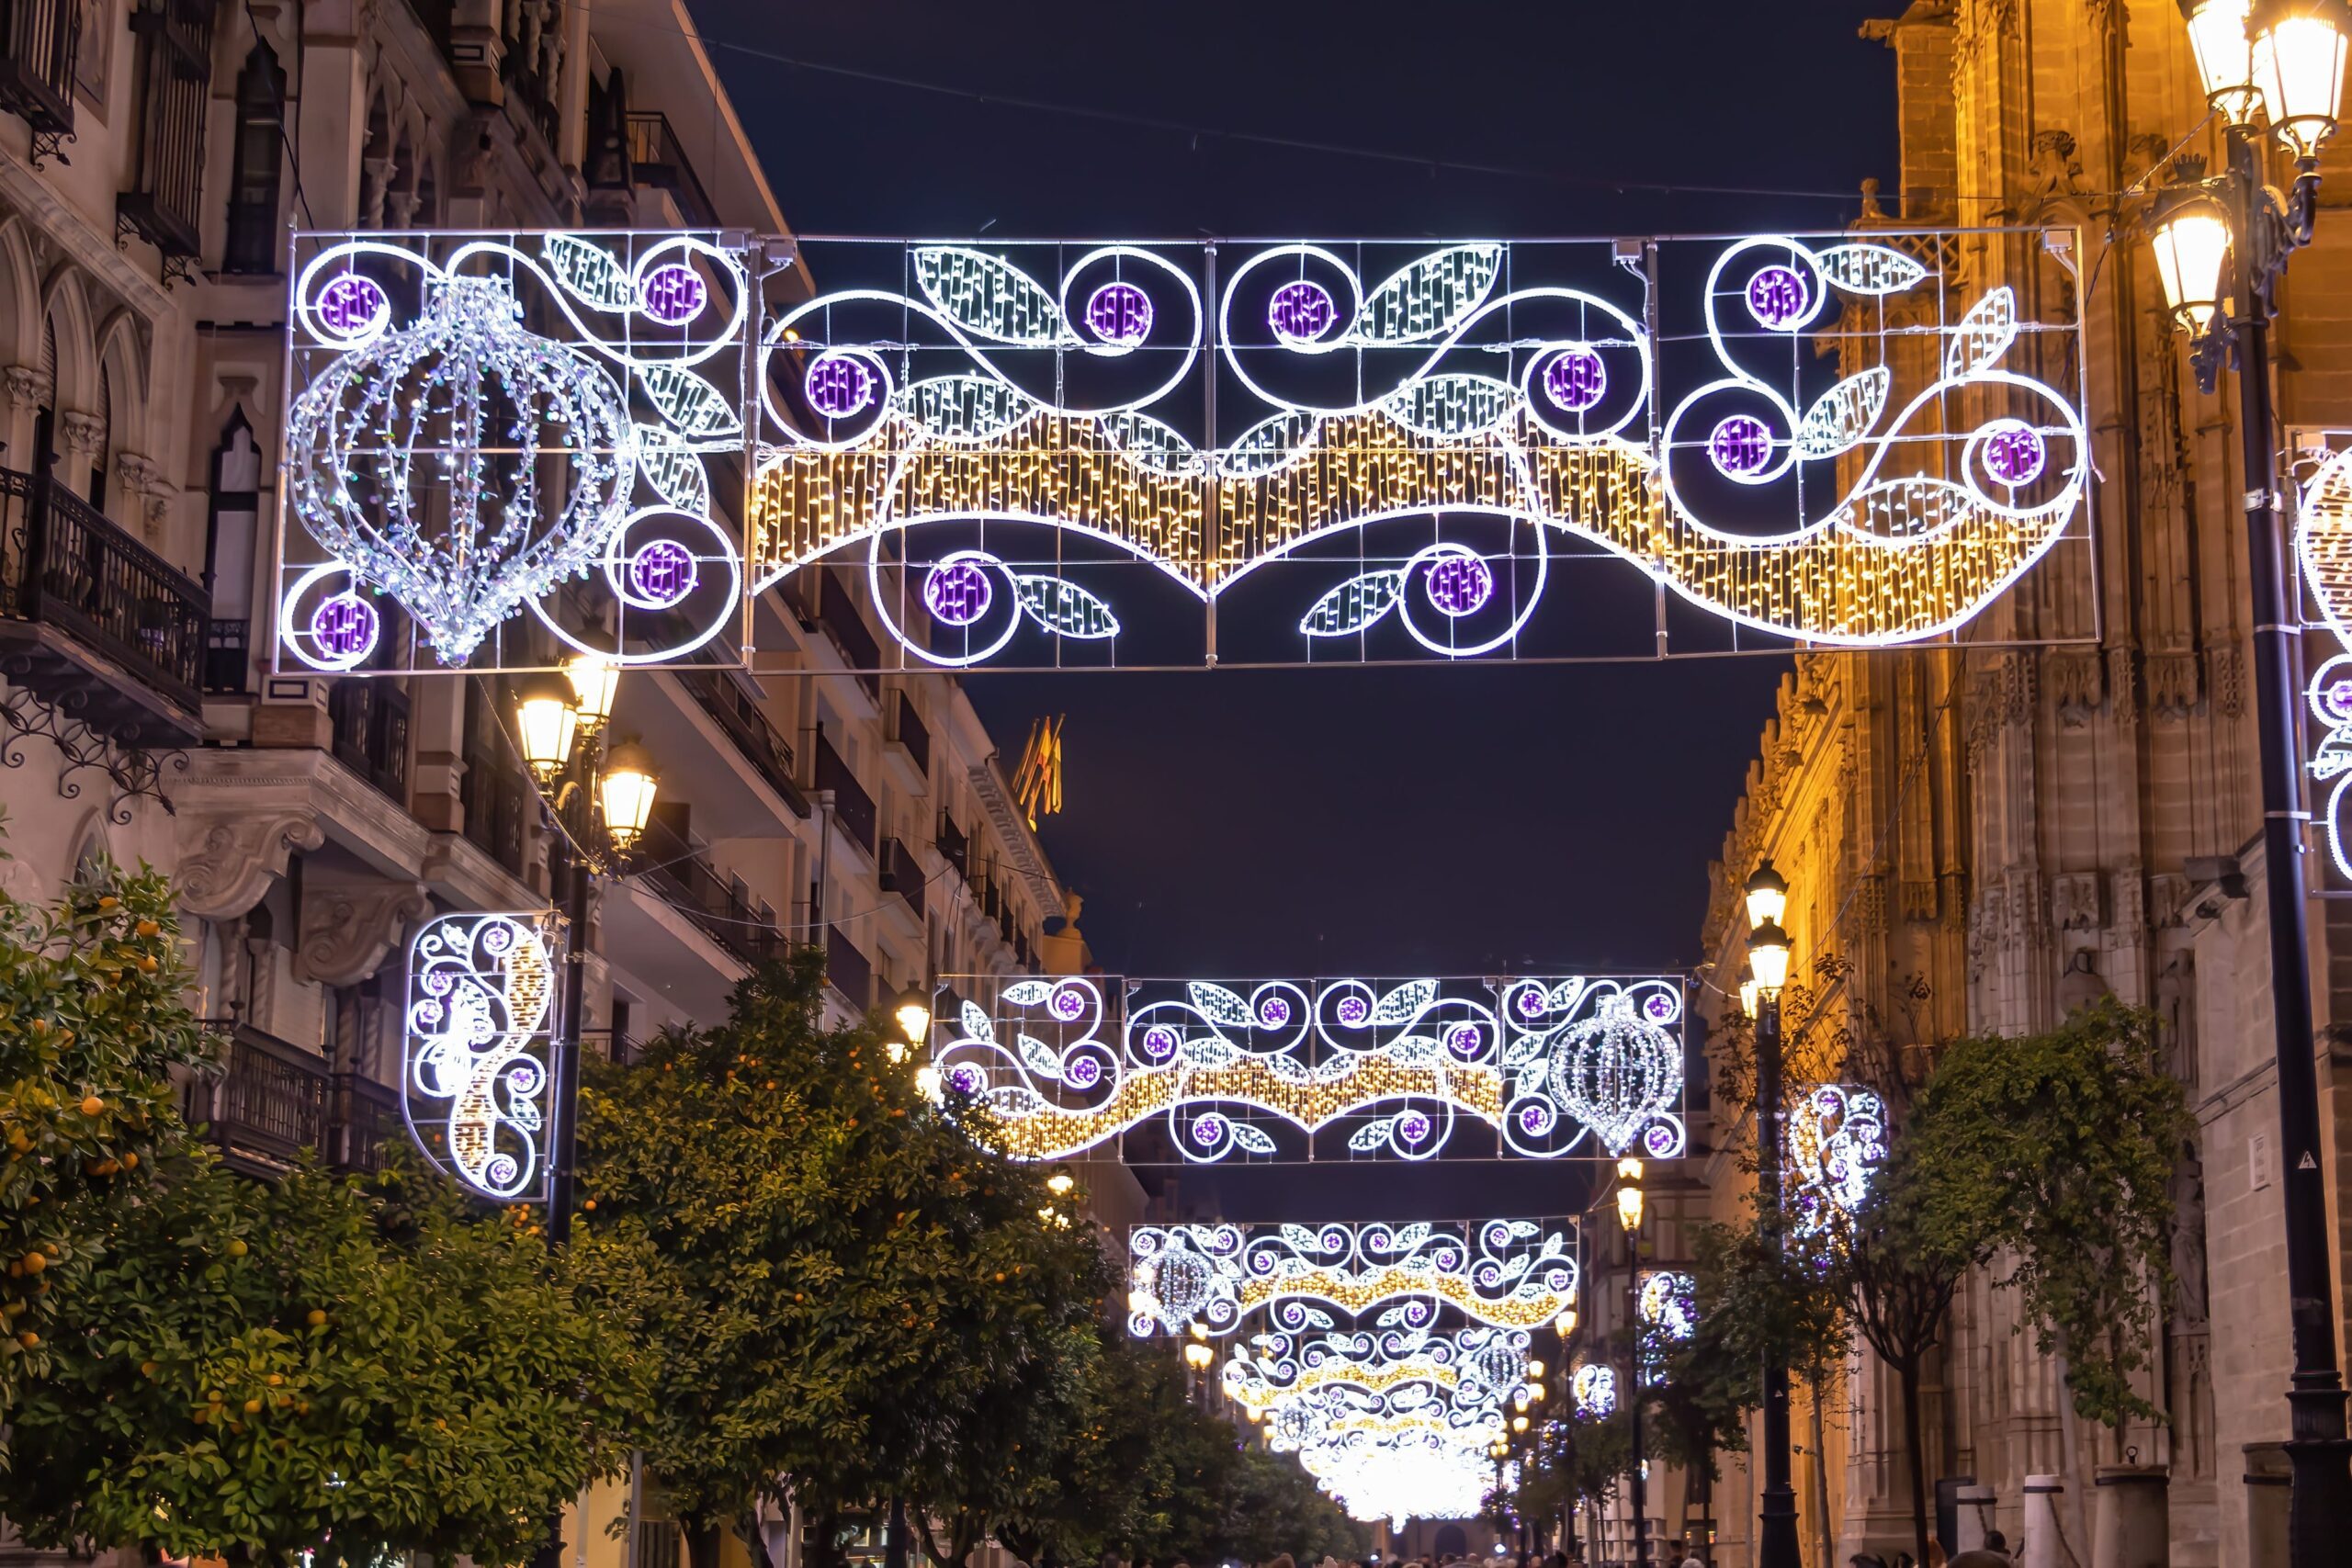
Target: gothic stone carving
<point>348,928</point>
<point>2173,685</point>
<point>2076,686</point>
<point>2075,903</point>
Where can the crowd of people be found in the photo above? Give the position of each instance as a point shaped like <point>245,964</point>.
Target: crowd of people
<point>1677,1553</point>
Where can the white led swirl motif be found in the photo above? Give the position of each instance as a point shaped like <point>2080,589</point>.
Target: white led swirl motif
<point>472,1085</point>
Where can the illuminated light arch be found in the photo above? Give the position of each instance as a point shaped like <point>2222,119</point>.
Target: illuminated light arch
<point>1547,1061</point>
<point>1388,1370</point>
<point>1403,1475</point>
<point>474,1070</point>
<point>1505,1273</point>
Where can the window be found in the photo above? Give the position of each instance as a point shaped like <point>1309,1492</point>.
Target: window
<point>96,52</point>
<point>253,242</point>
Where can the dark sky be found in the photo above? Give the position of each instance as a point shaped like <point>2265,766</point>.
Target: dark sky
<point>1439,820</point>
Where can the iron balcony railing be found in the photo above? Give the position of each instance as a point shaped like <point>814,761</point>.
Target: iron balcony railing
<point>760,741</point>
<point>851,972</point>
<point>496,800</point>
<point>269,1101</point>
<point>902,873</point>
<point>852,805</point>
<point>63,564</point>
<point>837,613</point>
<point>38,41</point>
<point>371,723</point>
<point>164,203</point>
<point>369,1124</point>
<point>657,158</point>
<point>907,730</point>
<point>681,877</point>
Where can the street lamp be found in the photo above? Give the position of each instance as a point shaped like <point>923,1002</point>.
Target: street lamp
<point>2221,244</point>
<point>1768,965</point>
<point>1629,1216</point>
<point>912,1009</point>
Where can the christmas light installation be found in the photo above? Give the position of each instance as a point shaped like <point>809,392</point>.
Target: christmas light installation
<point>2329,692</point>
<point>2323,543</point>
<point>464,439</point>
<point>465,434</point>
<point>1593,1390</point>
<point>1547,1062</point>
<point>1507,1273</point>
<point>1837,1143</point>
<point>1479,1368</point>
<point>474,1077</point>
<point>1416,1475</point>
<point>1668,1312</point>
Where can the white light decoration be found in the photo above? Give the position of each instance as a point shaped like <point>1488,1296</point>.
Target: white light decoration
<point>1544,1061</point>
<point>1401,1476</point>
<point>2323,541</point>
<point>1837,1143</point>
<point>1507,1273</point>
<point>1387,1370</point>
<point>1593,1389</point>
<point>474,1071</point>
<point>947,388</point>
<point>1668,1314</point>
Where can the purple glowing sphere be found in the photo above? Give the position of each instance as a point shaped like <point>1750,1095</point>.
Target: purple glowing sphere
<point>967,1079</point>
<point>2015,452</point>
<point>1160,1040</point>
<point>1659,1140</point>
<point>1535,1120</point>
<point>1301,312</point>
<point>345,626</point>
<point>1120,313</point>
<point>1466,1039</point>
<point>1084,1072</point>
<point>956,593</point>
<point>1413,1126</point>
<point>1778,297</point>
<point>1069,1002</point>
<point>1531,1000</point>
<point>1660,1006</point>
<point>1353,1011</point>
<point>1273,1012</point>
<point>840,385</point>
<point>1208,1129</point>
<point>672,295</point>
<point>662,572</point>
<point>1575,380</point>
<point>1740,445</point>
<point>1458,585</point>
<point>350,304</point>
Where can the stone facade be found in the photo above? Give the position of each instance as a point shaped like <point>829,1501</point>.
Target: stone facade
<point>1990,836</point>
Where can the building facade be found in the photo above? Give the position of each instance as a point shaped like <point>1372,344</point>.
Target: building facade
<point>154,156</point>
<point>1984,838</point>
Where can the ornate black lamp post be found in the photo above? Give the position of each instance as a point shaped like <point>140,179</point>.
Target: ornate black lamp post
<point>2221,244</point>
<point>1767,964</point>
<point>1629,1216</point>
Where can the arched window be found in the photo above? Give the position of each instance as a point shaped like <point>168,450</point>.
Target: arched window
<point>254,242</point>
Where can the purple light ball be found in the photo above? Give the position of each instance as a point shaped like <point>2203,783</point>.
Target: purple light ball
<point>1120,313</point>
<point>346,627</point>
<point>1353,1011</point>
<point>1535,1119</point>
<point>1575,380</point>
<point>1413,1126</point>
<point>1466,1039</point>
<point>1209,1129</point>
<point>2015,452</point>
<point>1778,297</point>
<point>1068,1001</point>
<point>1459,585</point>
<point>662,572</point>
<point>1740,445</point>
<point>1660,1006</point>
<point>1159,1040</point>
<point>1273,1012</point>
<point>956,593</point>
<point>1301,312</point>
<point>672,295</point>
<point>350,304</point>
<point>840,385</point>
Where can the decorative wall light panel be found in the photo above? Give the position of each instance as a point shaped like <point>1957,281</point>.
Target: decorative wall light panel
<point>475,1079</point>
<point>1051,455</point>
<point>1551,1066</point>
<point>1508,1273</point>
<point>1837,1143</point>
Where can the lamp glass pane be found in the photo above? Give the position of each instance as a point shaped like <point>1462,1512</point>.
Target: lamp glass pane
<point>2299,65</point>
<point>2190,248</point>
<point>543,727</point>
<point>1770,965</point>
<point>2217,38</point>
<point>627,802</point>
<point>594,683</point>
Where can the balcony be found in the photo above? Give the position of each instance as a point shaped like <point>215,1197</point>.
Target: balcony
<point>371,723</point>
<point>38,39</point>
<point>270,1101</point>
<point>852,808</point>
<point>907,733</point>
<point>837,613</point>
<point>851,972</point>
<point>100,625</point>
<point>953,847</point>
<point>902,873</point>
<point>164,203</point>
<point>496,800</point>
<point>369,1124</point>
<point>760,742</point>
<point>683,879</point>
<point>657,159</point>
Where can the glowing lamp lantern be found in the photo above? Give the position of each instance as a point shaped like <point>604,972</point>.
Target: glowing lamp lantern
<point>1059,1183</point>
<point>1750,993</point>
<point>2223,49</point>
<point>1628,1194</point>
<point>1767,955</point>
<point>2192,246</point>
<point>912,1009</point>
<point>545,720</point>
<point>1767,895</point>
<point>1519,1423</point>
<point>1536,1369</point>
<point>1565,1324</point>
<point>595,682</point>
<point>931,1083</point>
<point>2300,47</point>
<point>626,793</point>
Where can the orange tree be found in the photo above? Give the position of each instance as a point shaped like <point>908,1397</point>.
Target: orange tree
<point>855,1293</point>
<point>252,1371</point>
<point>91,1026</point>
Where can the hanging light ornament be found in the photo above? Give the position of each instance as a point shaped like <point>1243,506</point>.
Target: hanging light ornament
<point>1617,1071</point>
<point>463,464</point>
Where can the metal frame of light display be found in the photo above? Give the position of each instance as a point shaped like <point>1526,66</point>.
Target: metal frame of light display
<point>1507,1273</point>
<point>1837,1141</point>
<point>2321,460</point>
<point>1393,449</point>
<point>1061,1065</point>
<point>476,1032</point>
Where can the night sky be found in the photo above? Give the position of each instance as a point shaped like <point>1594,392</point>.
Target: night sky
<point>1434,819</point>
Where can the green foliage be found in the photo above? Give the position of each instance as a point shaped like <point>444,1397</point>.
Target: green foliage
<point>850,1292</point>
<point>91,1026</point>
<point>2057,1150</point>
<point>248,1369</point>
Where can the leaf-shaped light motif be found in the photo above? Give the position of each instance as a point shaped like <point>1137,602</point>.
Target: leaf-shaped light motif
<point>1250,1139</point>
<point>1039,1056</point>
<point>1220,1006</point>
<point>1909,508</point>
<point>672,468</point>
<point>1411,1236</point>
<point>696,408</point>
<point>1152,445</point>
<point>975,1023</point>
<point>1405,1003</point>
<point>1300,1237</point>
<point>1287,1068</point>
<point>1210,1051</point>
<point>1269,445</point>
<point>963,407</point>
<point>1844,414</point>
<point>1354,604</point>
<point>986,295</point>
<point>1870,269</point>
<point>1063,607</point>
<point>1984,334</point>
<point>1369,1136</point>
<point>1431,294</point>
<point>1413,1050</point>
<point>1452,406</point>
<point>1523,1048</point>
<point>588,272</point>
<point>1028,992</point>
